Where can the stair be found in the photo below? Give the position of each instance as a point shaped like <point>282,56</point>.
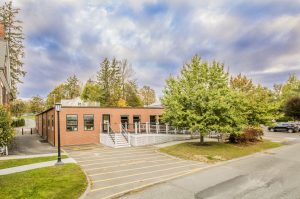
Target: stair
<point>120,141</point>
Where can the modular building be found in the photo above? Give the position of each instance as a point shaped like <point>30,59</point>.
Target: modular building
<point>85,124</point>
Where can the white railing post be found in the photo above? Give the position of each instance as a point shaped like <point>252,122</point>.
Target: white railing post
<point>128,137</point>
<point>167,128</point>
<point>147,127</point>
<point>157,127</point>
<point>135,127</point>
<point>126,126</point>
<point>139,127</point>
<point>120,127</point>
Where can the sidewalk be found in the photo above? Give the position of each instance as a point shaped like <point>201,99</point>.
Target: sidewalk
<point>10,157</point>
<point>33,166</point>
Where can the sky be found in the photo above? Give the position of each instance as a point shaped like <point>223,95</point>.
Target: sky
<point>260,39</point>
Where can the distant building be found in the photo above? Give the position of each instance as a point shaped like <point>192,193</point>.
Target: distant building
<point>78,102</point>
<point>5,78</point>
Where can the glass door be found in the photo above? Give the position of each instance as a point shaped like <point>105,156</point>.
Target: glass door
<point>105,122</point>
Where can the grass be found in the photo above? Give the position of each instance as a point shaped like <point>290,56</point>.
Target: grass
<point>214,151</point>
<point>19,162</point>
<point>63,182</point>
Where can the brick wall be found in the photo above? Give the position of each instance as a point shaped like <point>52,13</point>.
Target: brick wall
<point>81,136</point>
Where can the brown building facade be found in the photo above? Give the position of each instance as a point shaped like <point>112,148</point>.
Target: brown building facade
<point>5,78</point>
<point>83,125</point>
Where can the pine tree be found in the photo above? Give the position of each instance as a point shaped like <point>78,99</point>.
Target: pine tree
<point>131,95</point>
<point>103,79</point>
<point>14,36</point>
<point>72,87</point>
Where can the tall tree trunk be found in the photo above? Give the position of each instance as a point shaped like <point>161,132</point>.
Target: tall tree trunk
<point>201,139</point>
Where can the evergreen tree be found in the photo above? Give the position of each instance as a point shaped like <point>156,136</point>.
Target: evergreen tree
<point>115,82</point>
<point>104,78</point>
<point>131,95</point>
<point>72,87</point>
<point>14,36</point>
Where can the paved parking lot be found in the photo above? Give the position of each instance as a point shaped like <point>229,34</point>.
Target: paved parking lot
<point>114,172</point>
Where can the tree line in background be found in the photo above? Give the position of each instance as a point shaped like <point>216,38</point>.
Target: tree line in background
<point>204,98</point>
<point>114,87</point>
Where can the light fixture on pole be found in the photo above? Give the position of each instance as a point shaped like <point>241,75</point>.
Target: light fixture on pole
<point>57,109</point>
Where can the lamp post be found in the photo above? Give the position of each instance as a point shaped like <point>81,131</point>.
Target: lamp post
<point>57,109</point>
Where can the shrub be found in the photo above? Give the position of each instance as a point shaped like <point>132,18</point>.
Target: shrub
<point>249,134</point>
<point>6,131</point>
<point>18,122</point>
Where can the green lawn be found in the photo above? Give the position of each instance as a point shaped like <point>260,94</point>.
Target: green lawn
<point>63,182</point>
<point>19,162</point>
<point>214,151</point>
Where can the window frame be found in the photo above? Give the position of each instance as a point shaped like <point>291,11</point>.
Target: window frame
<point>84,125</point>
<point>139,116</point>
<point>72,125</point>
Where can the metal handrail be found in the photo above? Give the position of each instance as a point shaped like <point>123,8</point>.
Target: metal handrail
<point>110,134</point>
<point>124,133</point>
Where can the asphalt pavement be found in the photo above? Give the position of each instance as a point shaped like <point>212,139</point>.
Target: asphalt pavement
<point>268,175</point>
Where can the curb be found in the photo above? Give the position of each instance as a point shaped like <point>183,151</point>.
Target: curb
<point>88,188</point>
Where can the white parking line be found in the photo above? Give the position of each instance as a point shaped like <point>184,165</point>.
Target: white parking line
<point>95,158</point>
<point>108,179</point>
<point>121,159</point>
<point>182,161</point>
<point>130,160</point>
<point>133,163</point>
<point>168,175</point>
<point>107,153</point>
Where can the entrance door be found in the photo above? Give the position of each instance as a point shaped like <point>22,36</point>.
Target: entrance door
<point>105,122</point>
<point>124,121</point>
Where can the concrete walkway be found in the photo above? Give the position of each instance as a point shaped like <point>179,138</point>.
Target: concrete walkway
<point>10,157</point>
<point>33,166</point>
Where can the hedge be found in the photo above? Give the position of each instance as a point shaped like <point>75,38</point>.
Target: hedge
<point>18,122</point>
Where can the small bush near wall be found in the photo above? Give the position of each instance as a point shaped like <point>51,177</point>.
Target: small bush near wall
<point>249,134</point>
<point>18,122</point>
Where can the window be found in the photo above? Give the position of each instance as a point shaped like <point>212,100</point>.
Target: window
<point>88,122</point>
<point>136,119</point>
<point>52,118</point>
<point>48,123</point>
<point>152,119</point>
<point>72,123</point>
